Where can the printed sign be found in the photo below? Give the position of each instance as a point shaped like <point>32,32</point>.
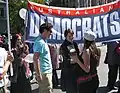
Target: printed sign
<point>104,20</point>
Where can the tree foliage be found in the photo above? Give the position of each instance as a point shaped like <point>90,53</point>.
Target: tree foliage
<point>16,23</point>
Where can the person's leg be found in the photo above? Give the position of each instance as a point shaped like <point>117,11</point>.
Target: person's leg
<point>118,89</point>
<point>27,86</point>
<point>23,83</point>
<point>89,86</point>
<point>16,88</point>
<point>117,84</point>
<point>94,84</point>
<point>55,79</point>
<point>112,75</point>
<point>83,87</point>
<point>119,71</point>
<point>63,80</point>
<point>31,66</point>
<point>71,85</point>
<point>45,86</point>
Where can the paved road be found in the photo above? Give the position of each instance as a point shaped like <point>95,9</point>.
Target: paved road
<point>102,71</point>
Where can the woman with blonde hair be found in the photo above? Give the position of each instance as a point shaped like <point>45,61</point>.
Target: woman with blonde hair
<point>88,61</point>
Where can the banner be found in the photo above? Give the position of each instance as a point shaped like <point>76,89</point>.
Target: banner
<point>104,20</point>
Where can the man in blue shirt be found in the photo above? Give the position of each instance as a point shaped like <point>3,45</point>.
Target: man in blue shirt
<point>42,59</point>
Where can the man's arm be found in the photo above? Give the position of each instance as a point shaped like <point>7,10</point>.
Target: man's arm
<point>37,65</point>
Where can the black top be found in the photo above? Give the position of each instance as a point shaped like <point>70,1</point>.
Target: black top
<point>112,58</point>
<point>66,53</point>
<point>93,67</point>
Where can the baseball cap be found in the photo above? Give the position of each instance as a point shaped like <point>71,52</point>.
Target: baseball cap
<point>90,36</point>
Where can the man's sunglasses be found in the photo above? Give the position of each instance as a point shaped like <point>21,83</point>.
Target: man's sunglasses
<point>50,30</point>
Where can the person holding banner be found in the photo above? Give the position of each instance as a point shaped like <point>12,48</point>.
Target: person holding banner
<point>88,61</point>
<point>68,78</point>
<point>42,59</point>
<point>55,64</point>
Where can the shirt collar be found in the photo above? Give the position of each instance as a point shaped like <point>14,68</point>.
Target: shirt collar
<point>40,36</point>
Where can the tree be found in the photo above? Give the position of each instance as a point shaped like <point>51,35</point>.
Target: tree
<point>16,23</point>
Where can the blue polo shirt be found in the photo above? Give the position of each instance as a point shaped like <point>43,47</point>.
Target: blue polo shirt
<point>41,46</point>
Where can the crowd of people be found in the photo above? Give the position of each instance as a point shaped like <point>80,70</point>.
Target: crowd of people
<point>78,67</point>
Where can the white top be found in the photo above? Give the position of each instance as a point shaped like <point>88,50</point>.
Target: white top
<point>3,57</point>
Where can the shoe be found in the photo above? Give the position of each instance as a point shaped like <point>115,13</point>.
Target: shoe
<point>117,84</point>
<point>118,92</point>
<point>55,86</point>
<point>111,88</point>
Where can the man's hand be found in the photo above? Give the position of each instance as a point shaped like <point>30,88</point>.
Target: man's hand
<point>39,77</point>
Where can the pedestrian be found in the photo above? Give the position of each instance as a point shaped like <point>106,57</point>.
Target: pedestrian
<point>68,78</point>
<point>112,59</point>
<point>42,59</point>
<point>20,82</point>
<point>5,60</point>
<point>55,64</point>
<point>88,61</point>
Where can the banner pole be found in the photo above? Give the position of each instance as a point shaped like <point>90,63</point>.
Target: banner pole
<point>9,35</point>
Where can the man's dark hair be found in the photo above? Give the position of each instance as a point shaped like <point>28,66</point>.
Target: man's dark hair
<point>46,26</point>
<point>68,31</point>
